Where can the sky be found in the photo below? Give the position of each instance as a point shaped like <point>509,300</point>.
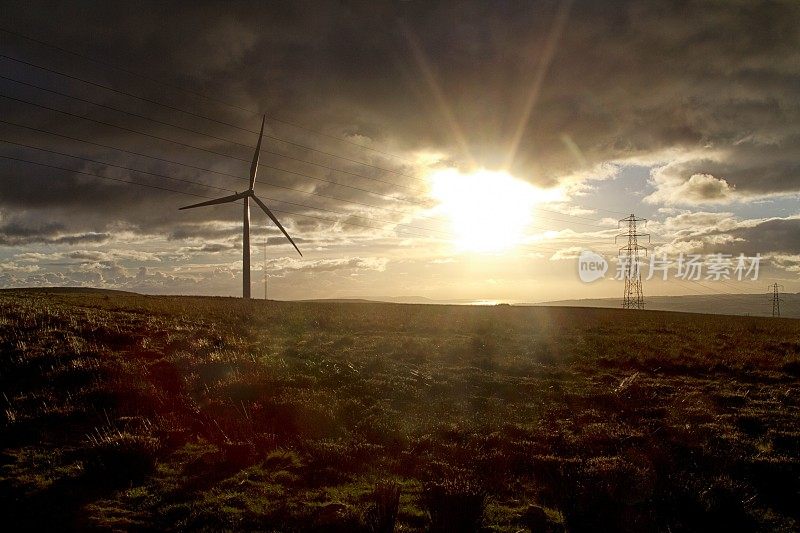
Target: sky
<point>456,151</point>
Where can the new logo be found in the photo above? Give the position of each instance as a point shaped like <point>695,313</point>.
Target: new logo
<point>591,266</point>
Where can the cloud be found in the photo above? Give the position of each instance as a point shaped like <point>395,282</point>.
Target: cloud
<point>788,262</point>
<point>87,256</point>
<point>723,233</point>
<point>699,221</point>
<point>698,189</point>
<point>704,92</point>
<point>566,253</point>
<point>625,80</point>
<point>106,270</point>
<point>16,233</point>
<point>775,235</point>
<point>331,265</point>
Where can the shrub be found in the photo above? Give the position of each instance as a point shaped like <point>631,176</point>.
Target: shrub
<point>120,456</point>
<point>381,515</point>
<point>455,504</point>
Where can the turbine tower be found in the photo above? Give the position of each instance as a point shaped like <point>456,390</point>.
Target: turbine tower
<point>246,196</point>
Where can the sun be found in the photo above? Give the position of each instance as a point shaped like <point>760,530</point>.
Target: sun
<point>489,210</point>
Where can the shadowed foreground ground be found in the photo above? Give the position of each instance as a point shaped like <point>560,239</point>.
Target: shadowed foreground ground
<point>131,412</point>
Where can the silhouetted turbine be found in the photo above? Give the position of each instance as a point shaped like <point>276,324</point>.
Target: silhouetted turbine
<point>246,196</point>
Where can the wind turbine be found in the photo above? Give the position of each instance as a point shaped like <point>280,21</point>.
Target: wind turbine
<point>246,196</point>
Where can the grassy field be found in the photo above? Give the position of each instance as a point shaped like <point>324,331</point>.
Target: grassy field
<point>123,411</point>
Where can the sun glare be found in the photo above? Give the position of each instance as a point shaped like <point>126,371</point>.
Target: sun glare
<point>489,210</point>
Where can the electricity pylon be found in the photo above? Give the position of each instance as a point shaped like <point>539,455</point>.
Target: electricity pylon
<point>633,297</point>
<point>775,289</point>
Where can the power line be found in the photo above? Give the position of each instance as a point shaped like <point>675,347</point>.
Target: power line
<point>227,174</point>
<point>604,210</point>
<point>223,189</point>
<point>207,150</point>
<point>100,145</point>
<point>400,230</point>
<point>150,186</point>
<point>224,139</point>
<point>100,176</point>
<point>537,208</point>
<point>293,213</point>
<point>358,216</point>
<point>745,301</point>
<point>198,94</point>
<point>394,198</point>
<point>117,166</point>
<point>685,282</point>
<point>211,136</point>
<point>448,233</point>
<point>741,297</point>
<point>731,286</point>
<point>191,113</point>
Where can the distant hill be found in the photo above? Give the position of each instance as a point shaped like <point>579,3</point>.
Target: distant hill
<point>65,290</point>
<point>719,304</point>
<point>716,304</point>
<point>398,300</point>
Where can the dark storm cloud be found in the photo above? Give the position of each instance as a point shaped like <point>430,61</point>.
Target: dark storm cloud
<point>704,232</point>
<point>715,84</point>
<point>748,168</point>
<point>780,236</point>
<point>17,233</point>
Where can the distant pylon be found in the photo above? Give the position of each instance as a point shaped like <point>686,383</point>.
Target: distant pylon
<point>633,297</point>
<point>775,288</point>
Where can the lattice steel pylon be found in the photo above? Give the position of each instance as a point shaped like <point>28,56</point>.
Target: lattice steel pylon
<point>633,297</point>
<point>775,289</point>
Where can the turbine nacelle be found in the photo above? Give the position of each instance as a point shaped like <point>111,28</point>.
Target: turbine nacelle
<point>247,194</point>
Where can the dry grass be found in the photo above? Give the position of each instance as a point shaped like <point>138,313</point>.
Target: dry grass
<point>130,412</point>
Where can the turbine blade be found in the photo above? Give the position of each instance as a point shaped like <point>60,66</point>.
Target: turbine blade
<point>275,220</point>
<point>223,200</point>
<point>254,166</point>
